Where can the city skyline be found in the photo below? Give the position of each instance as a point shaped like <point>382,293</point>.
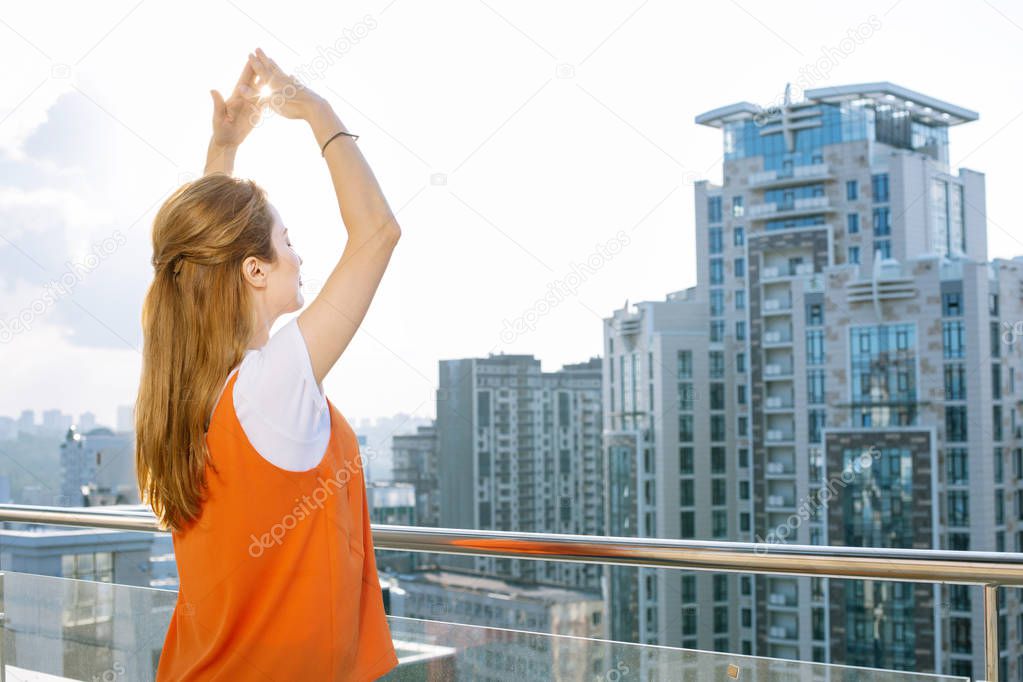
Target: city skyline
<point>572,101</point>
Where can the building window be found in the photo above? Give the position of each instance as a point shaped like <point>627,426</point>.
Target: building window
<point>688,590</point>
<point>957,466</point>
<point>685,428</point>
<point>717,331</point>
<point>882,222</point>
<point>685,460</point>
<point>814,314</point>
<point>717,364</point>
<point>740,330</point>
<point>815,386</point>
<point>740,362</point>
<point>740,267</point>
<point>686,396</point>
<point>720,588</point>
<point>717,460</point>
<point>740,394</point>
<point>687,526</point>
<point>685,364</point>
<point>717,302</point>
<point>852,223</point>
<point>958,508</point>
<point>955,423</point>
<point>879,187</point>
<point>952,304</point>
<point>815,347</point>
<point>852,190</point>
<point>720,619</point>
<point>714,209</point>
<point>97,566</point>
<point>737,208</point>
<point>717,396</point>
<point>883,247</point>
<point>717,492</point>
<point>719,524</point>
<point>717,271</point>
<point>716,243</point>
<point>740,299</point>
<point>854,255</point>
<point>685,493</point>
<point>955,382</point>
<point>738,236</point>
<point>953,339</point>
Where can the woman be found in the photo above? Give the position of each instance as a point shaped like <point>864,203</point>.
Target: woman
<point>241,455</point>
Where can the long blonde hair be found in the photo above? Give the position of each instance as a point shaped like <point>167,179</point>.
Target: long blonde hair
<point>197,320</point>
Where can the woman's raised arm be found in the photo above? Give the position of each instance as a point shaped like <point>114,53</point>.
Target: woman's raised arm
<point>233,120</point>
<point>329,323</point>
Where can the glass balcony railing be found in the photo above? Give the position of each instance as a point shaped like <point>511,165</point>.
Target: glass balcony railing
<point>83,630</point>
<point>57,629</point>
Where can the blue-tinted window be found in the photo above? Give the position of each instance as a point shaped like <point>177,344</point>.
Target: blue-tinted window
<point>717,302</point>
<point>883,363</point>
<point>879,187</point>
<point>852,222</point>
<point>854,255</point>
<point>852,190</point>
<point>882,222</point>
<point>952,304</point>
<point>738,236</point>
<point>737,207</point>
<point>740,267</point>
<point>714,209</point>
<point>717,271</point>
<point>884,246</point>
<point>714,242</point>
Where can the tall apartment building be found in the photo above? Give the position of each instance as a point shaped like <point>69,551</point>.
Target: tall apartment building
<point>98,468</point>
<point>854,383</point>
<point>520,450</point>
<point>415,462</point>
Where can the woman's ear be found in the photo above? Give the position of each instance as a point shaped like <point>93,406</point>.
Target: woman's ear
<point>254,271</point>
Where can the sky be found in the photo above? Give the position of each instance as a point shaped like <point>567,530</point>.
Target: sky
<point>528,149</point>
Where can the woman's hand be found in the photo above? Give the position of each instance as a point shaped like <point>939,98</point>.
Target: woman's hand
<point>234,119</point>
<point>288,96</point>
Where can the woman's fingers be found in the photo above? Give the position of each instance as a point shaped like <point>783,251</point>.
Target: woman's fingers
<point>260,68</point>
<point>270,64</point>
<point>248,77</point>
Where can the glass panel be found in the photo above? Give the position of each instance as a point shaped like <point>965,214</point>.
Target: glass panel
<point>83,630</point>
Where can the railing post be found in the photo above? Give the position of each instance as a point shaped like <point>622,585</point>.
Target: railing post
<point>3,634</point>
<point>991,633</point>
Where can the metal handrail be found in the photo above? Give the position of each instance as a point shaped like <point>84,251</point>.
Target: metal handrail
<point>990,570</point>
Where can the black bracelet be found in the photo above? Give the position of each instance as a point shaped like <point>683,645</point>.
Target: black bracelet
<point>324,147</point>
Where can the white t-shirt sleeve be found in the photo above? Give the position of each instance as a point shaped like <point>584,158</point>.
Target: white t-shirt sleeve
<point>282,409</point>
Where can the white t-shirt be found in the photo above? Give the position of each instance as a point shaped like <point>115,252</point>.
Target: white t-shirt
<point>281,408</point>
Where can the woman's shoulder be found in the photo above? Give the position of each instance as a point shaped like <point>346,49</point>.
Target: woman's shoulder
<point>280,406</point>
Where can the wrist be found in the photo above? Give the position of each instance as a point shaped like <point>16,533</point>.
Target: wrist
<point>324,122</point>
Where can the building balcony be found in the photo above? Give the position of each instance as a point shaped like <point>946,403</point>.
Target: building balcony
<point>780,470</point>
<point>777,337</point>
<point>797,175</point>
<point>778,403</point>
<point>793,209</point>
<point>775,272</point>
<point>777,371</point>
<point>62,629</point>
<point>776,305</point>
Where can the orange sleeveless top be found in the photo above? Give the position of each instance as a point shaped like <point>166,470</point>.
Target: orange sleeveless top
<point>278,580</point>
